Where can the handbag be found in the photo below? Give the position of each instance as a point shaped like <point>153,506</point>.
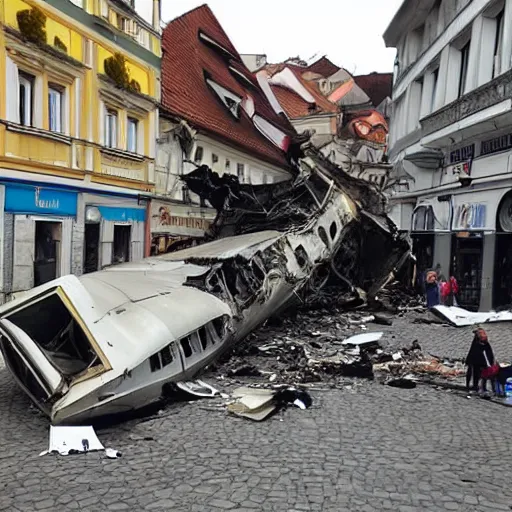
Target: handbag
<point>490,371</point>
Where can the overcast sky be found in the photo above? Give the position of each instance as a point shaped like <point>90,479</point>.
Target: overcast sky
<point>349,32</point>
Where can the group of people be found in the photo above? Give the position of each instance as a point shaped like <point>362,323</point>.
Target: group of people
<point>439,290</point>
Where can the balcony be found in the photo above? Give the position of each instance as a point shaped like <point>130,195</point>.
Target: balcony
<point>477,101</point>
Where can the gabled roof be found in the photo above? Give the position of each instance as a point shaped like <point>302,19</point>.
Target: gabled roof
<point>378,86</point>
<point>294,104</point>
<point>323,66</point>
<point>196,48</point>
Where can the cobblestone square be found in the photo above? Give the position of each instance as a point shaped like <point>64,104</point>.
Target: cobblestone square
<point>367,448</point>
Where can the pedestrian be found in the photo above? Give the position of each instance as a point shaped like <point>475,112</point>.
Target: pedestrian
<point>481,363</point>
<point>432,289</point>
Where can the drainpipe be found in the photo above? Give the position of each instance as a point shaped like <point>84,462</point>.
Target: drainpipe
<point>147,230</point>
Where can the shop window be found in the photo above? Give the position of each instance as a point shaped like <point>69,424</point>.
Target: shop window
<point>111,128</point>
<point>26,99</point>
<point>47,251</point>
<point>56,108</point>
<point>198,157</point>
<point>240,172</point>
<point>423,219</point>
<point>133,130</point>
<point>121,249</point>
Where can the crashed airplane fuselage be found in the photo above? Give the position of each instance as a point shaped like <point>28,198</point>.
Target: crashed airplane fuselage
<point>109,342</point>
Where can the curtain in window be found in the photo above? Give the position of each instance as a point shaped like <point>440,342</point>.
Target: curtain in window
<point>54,110</point>
<point>132,135</point>
<point>12,92</point>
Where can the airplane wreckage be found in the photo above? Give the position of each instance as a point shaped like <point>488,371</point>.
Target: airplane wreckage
<point>110,341</point>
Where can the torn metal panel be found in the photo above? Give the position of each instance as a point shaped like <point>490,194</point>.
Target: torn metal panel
<point>117,337</point>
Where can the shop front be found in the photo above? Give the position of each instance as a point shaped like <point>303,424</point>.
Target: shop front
<point>38,224</point>
<point>114,230</point>
<point>430,233</point>
<point>177,226</point>
<point>502,282</point>
<point>473,244</point>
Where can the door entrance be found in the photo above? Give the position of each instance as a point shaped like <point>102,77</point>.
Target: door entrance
<point>47,251</point>
<point>467,269</point>
<point>92,247</point>
<point>121,249</point>
<point>502,280</point>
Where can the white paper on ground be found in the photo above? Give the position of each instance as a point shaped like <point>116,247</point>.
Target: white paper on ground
<point>362,339</point>
<point>64,439</point>
<point>461,317</point>
<point>198,388</point>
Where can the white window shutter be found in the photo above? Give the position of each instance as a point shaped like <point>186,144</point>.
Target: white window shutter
<point>24,253</point>
<point>107,242</point>
<point>137,252</point>
<point>13,91</point>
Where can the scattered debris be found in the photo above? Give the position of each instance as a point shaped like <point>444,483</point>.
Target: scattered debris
<point>258,404</point>
<point>72,440</point>
<point>198,388</point>
<point>461,318</point>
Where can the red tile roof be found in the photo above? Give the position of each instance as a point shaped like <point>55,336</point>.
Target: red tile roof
<point>295,106</point>
<point>323,66</point>
<point>377,86</point>
<point>186,94</point>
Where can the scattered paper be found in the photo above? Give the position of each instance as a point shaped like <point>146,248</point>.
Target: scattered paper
<point>112,454</point>
<point>66,440</point>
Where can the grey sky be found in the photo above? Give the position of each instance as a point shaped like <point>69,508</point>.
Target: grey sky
<point>349,32</point>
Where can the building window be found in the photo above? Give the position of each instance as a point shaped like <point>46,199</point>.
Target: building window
<point>464,61</point>
<point>111,129</point>
<point>215,158</point>
<point>435,77</point>
<point>198,157</point>
<point>133,129</point>
<point>227,167</point>
<point>185,194</point>
<point>240,172</point>
<point>55,108</point>
<point>498,43</point>
<point>104,8</point>
<point>26,98</point>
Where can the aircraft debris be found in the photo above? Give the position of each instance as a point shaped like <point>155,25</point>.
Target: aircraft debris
<point>111,341</point>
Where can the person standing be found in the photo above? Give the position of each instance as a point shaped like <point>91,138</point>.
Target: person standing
<point>432,289</point>
<point>480,362</point>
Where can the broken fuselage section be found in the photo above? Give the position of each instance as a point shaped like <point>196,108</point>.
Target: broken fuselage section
<point>109,342</point>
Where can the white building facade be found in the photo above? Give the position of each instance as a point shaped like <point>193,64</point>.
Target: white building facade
<point>451,141</point>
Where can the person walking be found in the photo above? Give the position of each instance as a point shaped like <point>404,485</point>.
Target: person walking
<point>432,289</point>
<point>480,362</point>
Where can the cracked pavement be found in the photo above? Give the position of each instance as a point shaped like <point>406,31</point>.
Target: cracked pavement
<point>364,448</point>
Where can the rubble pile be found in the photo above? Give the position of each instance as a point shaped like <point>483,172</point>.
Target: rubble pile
<point>396,296</point>
<point>326,346</point>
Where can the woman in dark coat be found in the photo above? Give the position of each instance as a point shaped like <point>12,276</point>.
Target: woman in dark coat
<point>480,356</point>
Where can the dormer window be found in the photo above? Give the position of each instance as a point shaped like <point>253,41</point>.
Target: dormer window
<point>216,46</point>
<point>230,100</point>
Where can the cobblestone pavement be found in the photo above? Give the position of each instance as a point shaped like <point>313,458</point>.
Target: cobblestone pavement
<point>362,449</point>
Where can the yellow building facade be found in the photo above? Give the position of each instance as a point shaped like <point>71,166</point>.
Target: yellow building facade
<point>79,95</point>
